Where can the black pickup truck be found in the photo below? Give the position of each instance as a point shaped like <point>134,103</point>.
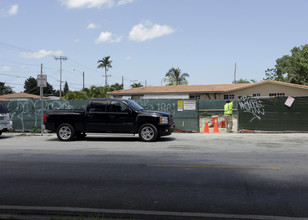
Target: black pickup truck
<point>109,115</point>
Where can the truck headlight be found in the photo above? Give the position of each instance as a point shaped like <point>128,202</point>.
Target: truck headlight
<point>163,120</point>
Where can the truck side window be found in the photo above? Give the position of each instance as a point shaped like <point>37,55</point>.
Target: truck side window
<point>98,106</point>
<point>116,106</point>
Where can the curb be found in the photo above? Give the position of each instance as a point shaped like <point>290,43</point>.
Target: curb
<point>37,212</point>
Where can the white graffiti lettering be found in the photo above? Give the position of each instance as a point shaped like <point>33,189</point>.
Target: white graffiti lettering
<point>252,105</point>
<point>26,114</point>
<point>158,106</point>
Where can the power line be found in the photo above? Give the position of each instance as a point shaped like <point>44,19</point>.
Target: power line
<point>5,74</point>
<point>13,47</point>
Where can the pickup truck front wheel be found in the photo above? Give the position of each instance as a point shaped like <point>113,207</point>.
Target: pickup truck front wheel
<point>65,132</point>
<point>148,133</point>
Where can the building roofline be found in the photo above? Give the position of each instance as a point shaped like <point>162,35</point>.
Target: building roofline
<point>198,89</point>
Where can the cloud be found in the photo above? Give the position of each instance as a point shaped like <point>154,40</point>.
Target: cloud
<point>40,54</point>
<point>128,58</point>
<point>72,4</point>
<point>124,2</point>
<point>107,37</point>
<point>147,31</point>
<point>5,68</point>
<point>13,10</point>
<point>76,40</point>
<point>92,26</point>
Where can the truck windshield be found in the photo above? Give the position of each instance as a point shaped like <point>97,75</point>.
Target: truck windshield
<point>134,105</point>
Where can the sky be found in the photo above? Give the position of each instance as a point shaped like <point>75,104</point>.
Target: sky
<point>145,38</point>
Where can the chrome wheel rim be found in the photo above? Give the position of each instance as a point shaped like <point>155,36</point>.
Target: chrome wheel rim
<point>65,132</point>
<point>147,133</point>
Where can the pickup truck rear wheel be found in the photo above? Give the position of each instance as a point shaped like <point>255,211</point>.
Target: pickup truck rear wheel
<point>148,133</point>
<point>65,132</point>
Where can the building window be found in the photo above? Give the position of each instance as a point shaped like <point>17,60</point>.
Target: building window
<point>229,96</point>
<point>276,94</point>
<point>256,95</point>
<point>194,96</point>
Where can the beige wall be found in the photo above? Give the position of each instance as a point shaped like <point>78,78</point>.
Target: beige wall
<point>266,89</point>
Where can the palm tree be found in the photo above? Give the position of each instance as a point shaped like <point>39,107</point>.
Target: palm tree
<point>105,63</point>
<point>175,77</point>
<point>136,85</point>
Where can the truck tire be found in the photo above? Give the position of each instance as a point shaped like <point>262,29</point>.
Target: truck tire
<point>148,133</point>
<point>65,132</point>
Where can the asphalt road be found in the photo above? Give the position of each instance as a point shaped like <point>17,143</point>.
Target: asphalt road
<point>233,174</point>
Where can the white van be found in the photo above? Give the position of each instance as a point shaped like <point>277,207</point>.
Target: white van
<point>5,122</point>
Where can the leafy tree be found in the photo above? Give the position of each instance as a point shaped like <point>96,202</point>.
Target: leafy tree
<point>105,63</point>
<point>5,89</point>
<point>75,95</point>
<point>30,87</point>
<point>116,87</point>
<point>96,92</point>
<point>175,77</point>
<point>66,88</point>
<point>245,81</point>
<point>291,68</point>
<point>136,85</point>
<point>93,92</point>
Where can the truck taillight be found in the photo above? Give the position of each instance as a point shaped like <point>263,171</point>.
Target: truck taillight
<point>45,118</point>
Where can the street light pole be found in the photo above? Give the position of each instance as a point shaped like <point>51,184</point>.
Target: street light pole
<point>82,77</point>
<point>83,80</point>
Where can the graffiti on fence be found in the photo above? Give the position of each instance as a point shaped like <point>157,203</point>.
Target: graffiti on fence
<point>145,104</point>
<point>158,106</point>
<point>170,107</point>
<point>26,114</point>
<point>252,105</point>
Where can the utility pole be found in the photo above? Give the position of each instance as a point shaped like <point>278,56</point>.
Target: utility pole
<point>41,98</point>
<point>61,58</point>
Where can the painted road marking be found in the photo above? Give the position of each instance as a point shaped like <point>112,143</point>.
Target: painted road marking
<point>209,166</point>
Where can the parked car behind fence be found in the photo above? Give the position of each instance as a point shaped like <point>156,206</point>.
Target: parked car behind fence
<point>5,122</point>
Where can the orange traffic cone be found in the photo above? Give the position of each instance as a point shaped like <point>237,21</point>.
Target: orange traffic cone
<point>206,128</point>
<point>216,127</point>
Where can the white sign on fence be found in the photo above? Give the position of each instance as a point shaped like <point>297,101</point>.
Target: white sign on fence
<point>289,101</point>
<point>189,105</point>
